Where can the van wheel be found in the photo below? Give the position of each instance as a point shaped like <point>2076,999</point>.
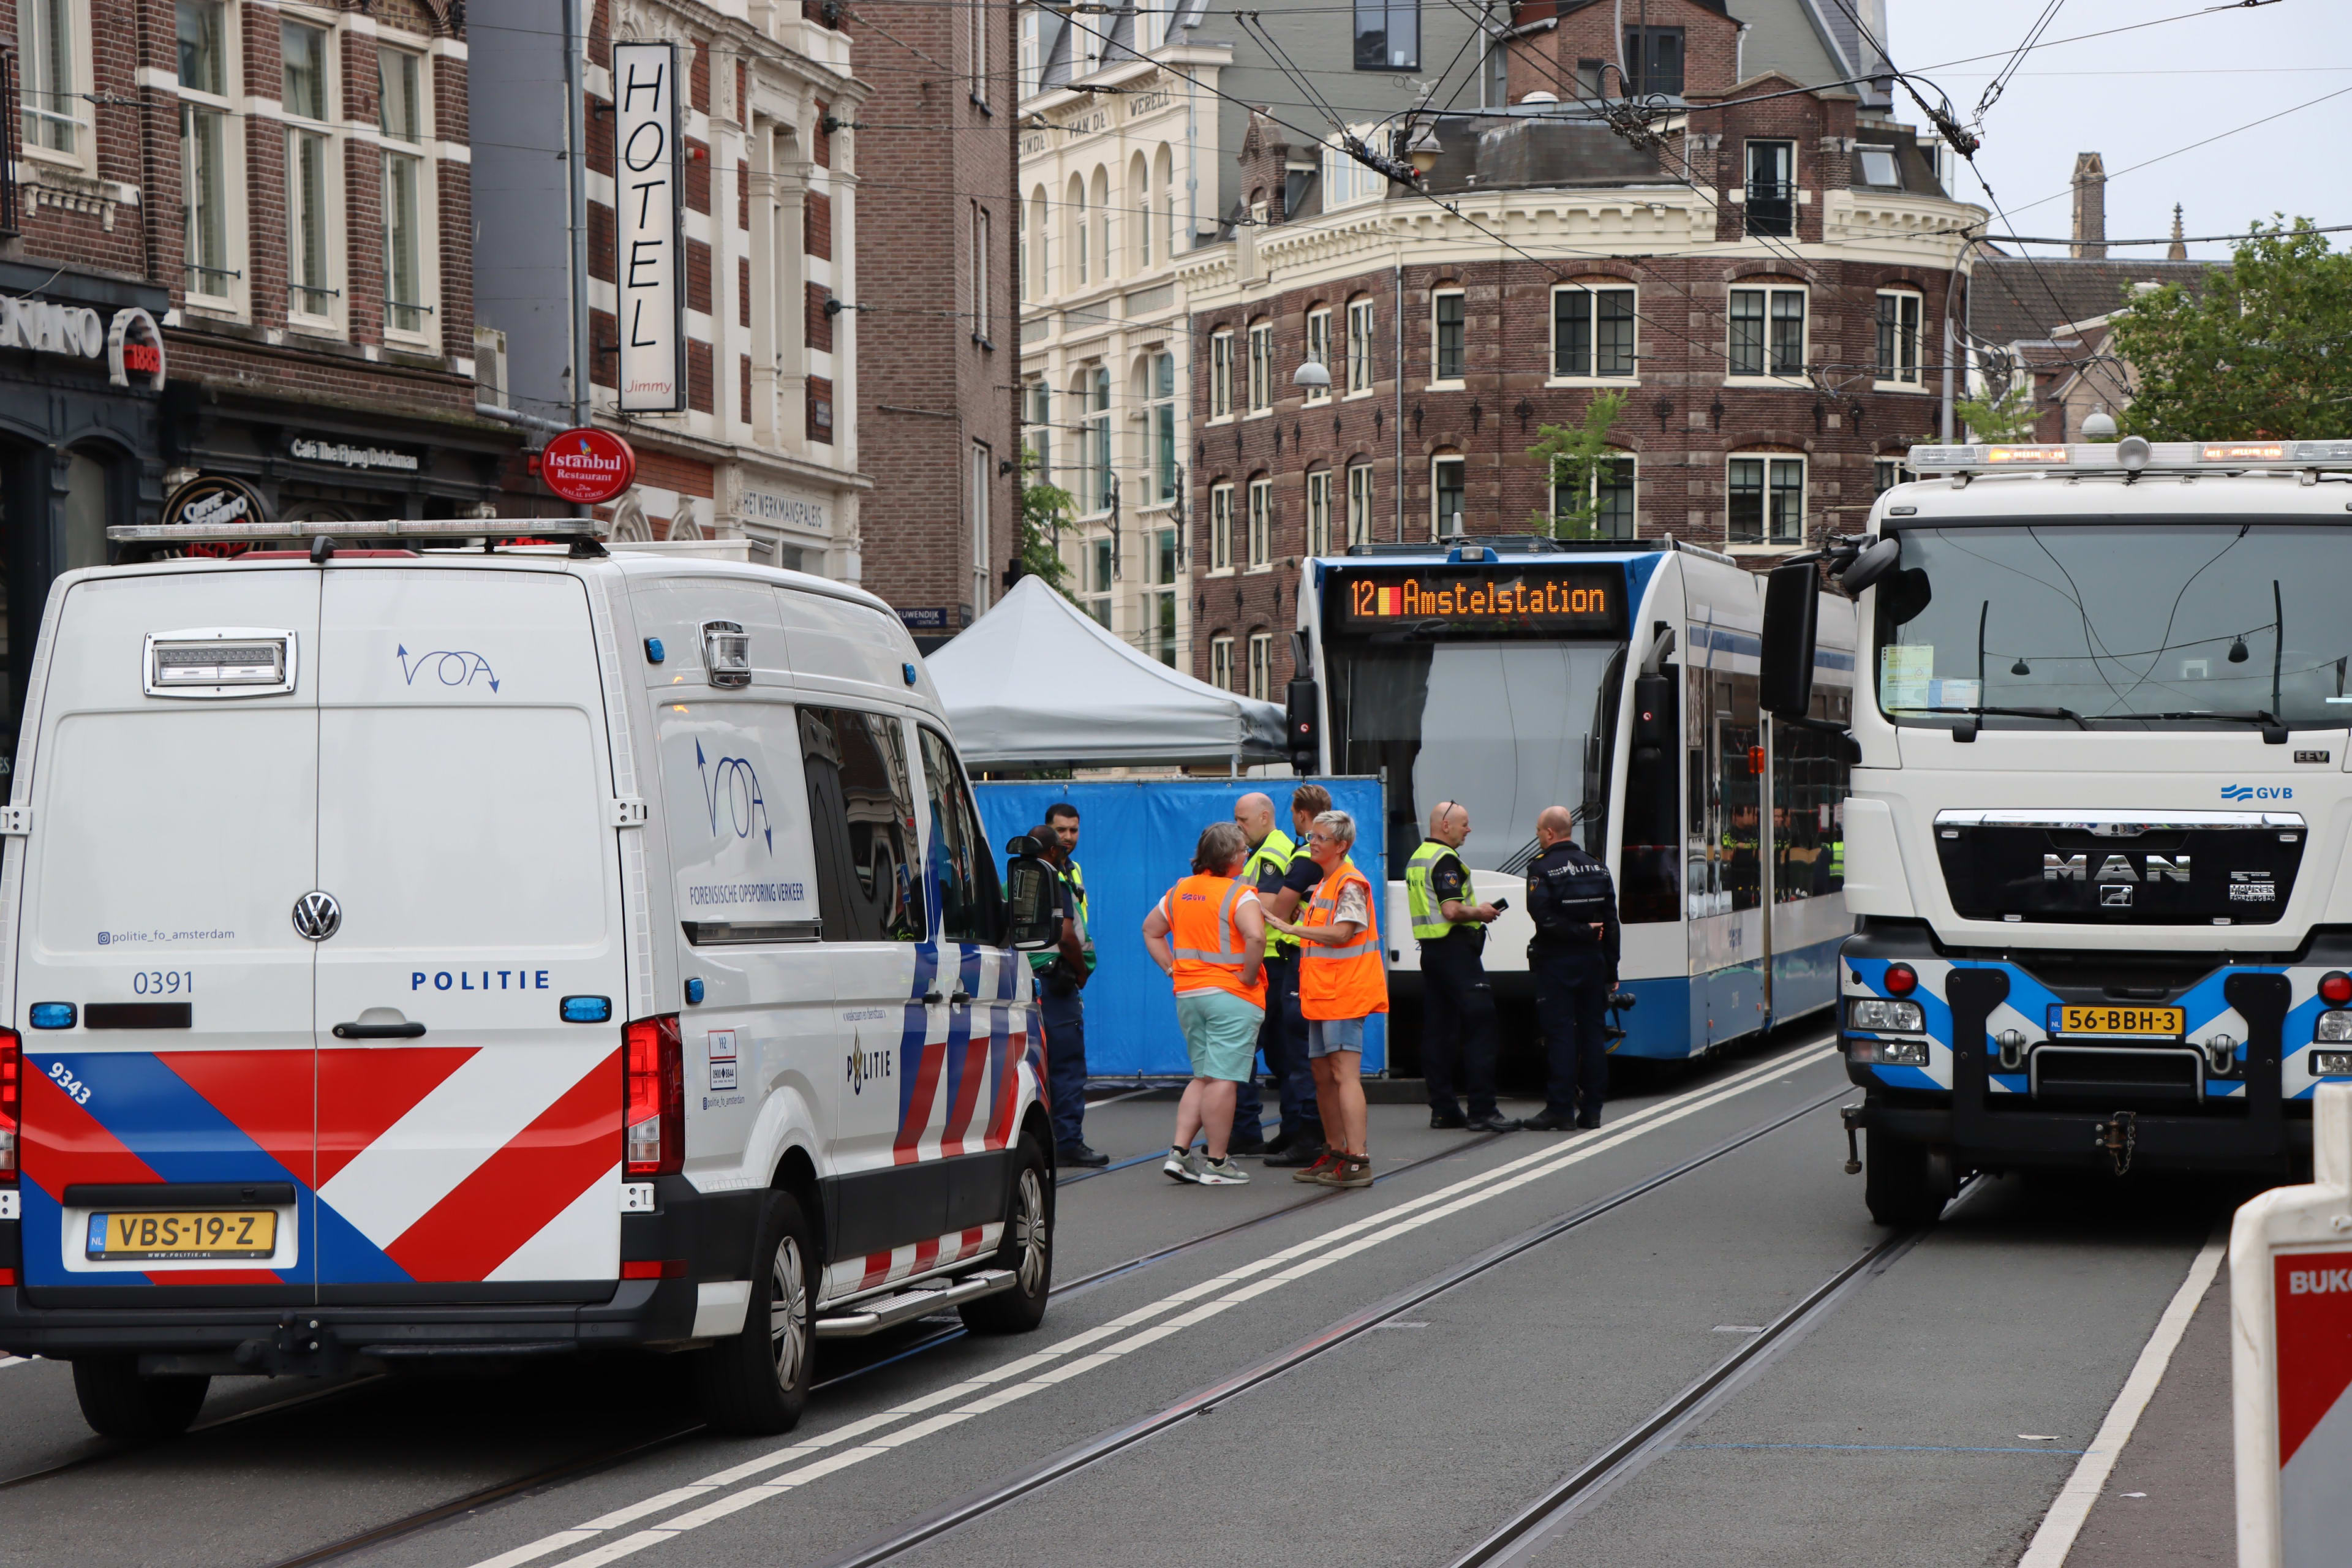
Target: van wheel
<point>757,1383</point>
<point>117,1403</point>
<point>1028,1250</point>
<point>1897,1184</point>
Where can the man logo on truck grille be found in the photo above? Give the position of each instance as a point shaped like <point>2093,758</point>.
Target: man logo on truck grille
<point>316,916</point>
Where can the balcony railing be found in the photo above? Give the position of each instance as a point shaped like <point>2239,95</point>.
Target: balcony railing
<point>1771,207</point>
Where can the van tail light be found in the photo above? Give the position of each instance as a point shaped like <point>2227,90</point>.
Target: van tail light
<point>12,1101</point>
<point>654,1124</point>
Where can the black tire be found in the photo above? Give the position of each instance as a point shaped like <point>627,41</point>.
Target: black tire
<point>757,1383</point>
<point>1027,1251</point>
<point>1897,1184</point>
<point>119,1403</point>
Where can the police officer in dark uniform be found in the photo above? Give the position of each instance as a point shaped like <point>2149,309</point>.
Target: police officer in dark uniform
<point>1574,960</point>
<point>1457,1036</point>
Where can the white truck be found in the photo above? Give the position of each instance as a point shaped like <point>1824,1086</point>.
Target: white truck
<point>489,952</point>
<point>2098,835</point>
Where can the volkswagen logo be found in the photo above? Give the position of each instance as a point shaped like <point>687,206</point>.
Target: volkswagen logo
<point>316,916</point>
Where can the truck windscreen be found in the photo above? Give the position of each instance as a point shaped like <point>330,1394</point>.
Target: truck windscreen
<point>1504,728</point>
<point>2208,624</point>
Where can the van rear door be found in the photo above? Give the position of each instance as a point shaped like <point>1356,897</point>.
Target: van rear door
<point>469,1137</point>
<point>162,990</point>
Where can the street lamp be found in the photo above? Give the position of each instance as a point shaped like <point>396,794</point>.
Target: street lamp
<point>1424,151</point>
<point>1312,377</point>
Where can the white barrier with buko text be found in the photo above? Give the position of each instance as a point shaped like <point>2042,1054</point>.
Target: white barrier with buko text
<point>2291,1324</point>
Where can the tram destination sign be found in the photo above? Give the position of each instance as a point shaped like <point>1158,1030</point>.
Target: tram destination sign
<point>1490,601</point>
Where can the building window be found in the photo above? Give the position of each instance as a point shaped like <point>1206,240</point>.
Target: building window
<point>1168,204</point>
<point>1319,349</point>
<point>1261,666</point>
<point>1318,512</point>
<point>1388,34</point>
<point>1029,22</point>
<point>1221,663</point>
<point>1261,367</point>
<point>1041,433</point>
<point>1591,332</point>
<point>1771,195</point>
<point>310,185</point>
<point>1261,523</point>
<point>1889,472</point>
<point>1768,332</point>
<point>1163,424</point>
<point>400,117</point>
<point>1898,338</point>
<point>1767,500</point>
<point>978,20</point>
<point>1359,504</point>
<point>1607,499</point>
<point>980,247</point>
<point>983,475</point>
<point>1653,61</point>
<point>1101,565</point>
<point>1445,323</point>
<point>1077,204</point>
<point>52,77</point>
<point>206,165</point>
<point>1876,166</point>
<point>1359,346</point>
<point>1021,248</point>
<point>1447,478</point>
<point>1221,376</point>
<point>1163,598</point>
<point>1220,528</point>
<point>1103,486</point>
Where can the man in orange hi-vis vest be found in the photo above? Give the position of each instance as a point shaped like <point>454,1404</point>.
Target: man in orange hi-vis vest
<point>1341,982</point>
<point>1209,938</point>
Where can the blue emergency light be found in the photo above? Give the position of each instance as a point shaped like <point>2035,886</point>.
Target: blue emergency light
<point>587,1009</point>
<point>53,1014</point>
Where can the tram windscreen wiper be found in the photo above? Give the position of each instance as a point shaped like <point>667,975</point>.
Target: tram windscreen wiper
<point>2236,716</point>
<point>2067,713</point>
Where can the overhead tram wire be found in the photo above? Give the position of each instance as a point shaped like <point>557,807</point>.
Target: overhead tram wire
<point>1999,83</point>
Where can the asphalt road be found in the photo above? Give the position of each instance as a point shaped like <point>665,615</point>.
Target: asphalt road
<point>1362,1378</point>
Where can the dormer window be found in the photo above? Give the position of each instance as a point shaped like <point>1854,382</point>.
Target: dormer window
<point>1876,166</point>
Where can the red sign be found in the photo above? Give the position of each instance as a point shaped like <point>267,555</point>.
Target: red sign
<point>588,466</point>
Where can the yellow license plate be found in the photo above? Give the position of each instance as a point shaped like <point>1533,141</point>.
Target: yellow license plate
<point>169,1234</point>
<point>2105,1020</point>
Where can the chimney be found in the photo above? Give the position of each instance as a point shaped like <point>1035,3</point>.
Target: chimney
<point>2090,207</point>
<point>2178,249</point>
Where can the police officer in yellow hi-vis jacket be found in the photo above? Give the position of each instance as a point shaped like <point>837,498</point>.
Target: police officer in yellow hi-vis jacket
<point>1283,872</point>
<point>1457,1006</point>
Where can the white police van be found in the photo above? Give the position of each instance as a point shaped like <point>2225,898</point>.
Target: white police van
<point>491,954</point>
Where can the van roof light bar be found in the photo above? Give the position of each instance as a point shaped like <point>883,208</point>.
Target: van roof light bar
<point>583,533</point>
<point>2131,455</point>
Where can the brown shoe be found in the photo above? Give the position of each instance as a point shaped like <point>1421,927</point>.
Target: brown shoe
<point>1348,1171</point>
<point>1313,1173</point>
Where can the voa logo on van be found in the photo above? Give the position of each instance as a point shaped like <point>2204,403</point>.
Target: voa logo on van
<point>734,783</point>
<point>2257,792</point>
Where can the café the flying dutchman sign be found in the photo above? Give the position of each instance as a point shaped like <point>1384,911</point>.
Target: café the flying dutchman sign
<point>648,245</point>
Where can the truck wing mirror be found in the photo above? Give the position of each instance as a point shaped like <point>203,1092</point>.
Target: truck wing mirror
<point>1031,906</point>
<point>1870,567</point>
<point>1792,611</point>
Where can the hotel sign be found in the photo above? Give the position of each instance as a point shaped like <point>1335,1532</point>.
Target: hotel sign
<point>650,251</point>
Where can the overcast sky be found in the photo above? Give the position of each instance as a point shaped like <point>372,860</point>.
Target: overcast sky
<point>2140,95</point>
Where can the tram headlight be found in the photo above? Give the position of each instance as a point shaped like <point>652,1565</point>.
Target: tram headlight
<point>1890,1017</point>
<point>2335,1029</point>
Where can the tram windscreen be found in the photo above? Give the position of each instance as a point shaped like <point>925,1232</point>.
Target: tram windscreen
<point>1504,728</point>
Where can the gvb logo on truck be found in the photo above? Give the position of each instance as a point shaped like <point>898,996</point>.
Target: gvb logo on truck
<point>2257,792</point>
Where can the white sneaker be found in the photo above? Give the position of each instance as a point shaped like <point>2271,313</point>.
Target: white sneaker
<point>1224,1172</point>
<point>1181,1165</point>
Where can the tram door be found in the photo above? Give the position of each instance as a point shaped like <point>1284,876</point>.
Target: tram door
<point>1725,843</point>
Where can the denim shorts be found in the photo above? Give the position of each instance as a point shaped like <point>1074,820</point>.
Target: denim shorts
<point>1220,1033</point>
<point>1324,1036</point>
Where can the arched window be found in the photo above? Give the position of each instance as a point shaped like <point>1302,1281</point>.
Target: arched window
<point>1037,239</point>
<point>1102,223</point>
<point>1166,170</point>
<point>1138,213</point>
<point>1074,265</point>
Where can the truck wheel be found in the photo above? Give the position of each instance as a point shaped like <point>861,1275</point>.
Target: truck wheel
<point>1896,1184</point>
<point>1027,1251</point>
<point>756,1382</point>
<point>117,1403</point>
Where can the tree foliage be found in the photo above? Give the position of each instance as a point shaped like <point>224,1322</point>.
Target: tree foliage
<point>1571,455</point>
<point>2265,349</point>
<point>2008,418</point>
<point>1046,509</point>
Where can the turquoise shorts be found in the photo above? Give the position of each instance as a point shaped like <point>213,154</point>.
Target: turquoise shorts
<point>1220,1033</point>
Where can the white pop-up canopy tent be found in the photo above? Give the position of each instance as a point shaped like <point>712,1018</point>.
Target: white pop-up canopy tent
<point>1038,682</point>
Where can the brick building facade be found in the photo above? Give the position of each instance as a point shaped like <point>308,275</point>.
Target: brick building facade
<point>237,247</point>
<point>936,265</point>
<point>1767,288</point>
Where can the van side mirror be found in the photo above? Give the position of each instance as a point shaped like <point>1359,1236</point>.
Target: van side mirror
<point>1870,567</point>
<point>1031,906</point>
<point>1791,613</point>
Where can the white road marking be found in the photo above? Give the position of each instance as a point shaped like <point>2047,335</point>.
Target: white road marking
<point>863,1439</point>
<point>2063,1522</point>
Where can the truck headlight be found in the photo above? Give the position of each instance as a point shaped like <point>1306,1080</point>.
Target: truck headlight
<point>1888,1053</point>
<point>1895,1017</point>
<point>2335,1029</point>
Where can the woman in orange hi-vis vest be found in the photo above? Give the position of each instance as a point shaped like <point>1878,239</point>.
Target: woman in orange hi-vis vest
<point>1209,937</point>
<point>1341,982</point>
